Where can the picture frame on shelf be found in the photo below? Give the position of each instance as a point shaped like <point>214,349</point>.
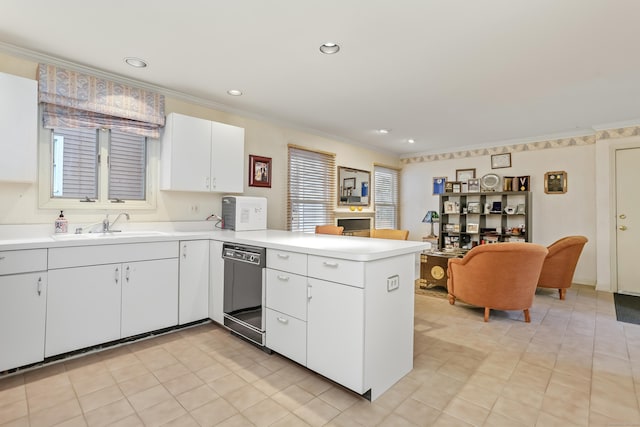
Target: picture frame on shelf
<point>439,184</point>
<point>473,228</point>
<point>259,171</point>
<point>502,160</point>
<point>473,185</point>
<point>473,208</point>
<point>555,182</point>
<point>464,175</point>
<point>450,207</point>
<point>456,187</point>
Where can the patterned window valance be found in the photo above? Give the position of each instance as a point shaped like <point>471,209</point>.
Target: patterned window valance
<point>74,100</point>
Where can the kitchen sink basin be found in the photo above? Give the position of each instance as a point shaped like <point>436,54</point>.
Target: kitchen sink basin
<point>109,235</point>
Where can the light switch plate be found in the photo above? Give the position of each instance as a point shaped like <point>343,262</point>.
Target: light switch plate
<point>393,283</point>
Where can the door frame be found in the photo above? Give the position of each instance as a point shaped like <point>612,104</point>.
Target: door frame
<point>606,229</point>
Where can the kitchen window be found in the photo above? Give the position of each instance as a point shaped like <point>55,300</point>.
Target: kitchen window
<point>95,169</point>
<point>386,188</point>
<point>311,189</point>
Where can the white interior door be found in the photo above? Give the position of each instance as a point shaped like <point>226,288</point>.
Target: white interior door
<point>627,219</point>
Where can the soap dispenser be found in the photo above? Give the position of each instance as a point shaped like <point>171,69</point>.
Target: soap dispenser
<point>61,224</point>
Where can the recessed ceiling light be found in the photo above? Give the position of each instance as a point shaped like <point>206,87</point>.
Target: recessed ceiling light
<point>411,141</point>
<point>329,48</point>
<point>234,92</point>
<point>384,131</point>
<point>135,62</point>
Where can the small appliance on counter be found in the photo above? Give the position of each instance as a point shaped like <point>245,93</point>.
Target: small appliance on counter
<point>244,213</point>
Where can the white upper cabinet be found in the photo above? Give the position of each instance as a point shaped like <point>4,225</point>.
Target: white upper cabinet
<point>19,128</point>
<point>201,155</point>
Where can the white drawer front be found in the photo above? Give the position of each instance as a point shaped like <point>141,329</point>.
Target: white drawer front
<point>287,336</point>
<point>287,293</point>
<point>287,261</point>
<point>337,270</point>
<point>12,262</point>
<point>78,256</point>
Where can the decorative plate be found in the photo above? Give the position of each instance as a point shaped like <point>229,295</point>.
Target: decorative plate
<point>490,182</point>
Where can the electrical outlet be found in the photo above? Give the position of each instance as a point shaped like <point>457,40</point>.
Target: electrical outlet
<point>393,283</point>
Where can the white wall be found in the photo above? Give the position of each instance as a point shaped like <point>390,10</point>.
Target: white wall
<point>554,215</point>
<point>19,202</point>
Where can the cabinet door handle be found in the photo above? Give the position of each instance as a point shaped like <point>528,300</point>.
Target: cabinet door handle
<point>117,274</point>
<point>39,285</point>
<point>283,256</point>
<point>283,278</point>
<point>184,251</point>
<point>206,182</point>
<point>283,320</point>
<point>126,275</point>
<point>213,182</point>
<point>309,292</point>
<point>330,264</point>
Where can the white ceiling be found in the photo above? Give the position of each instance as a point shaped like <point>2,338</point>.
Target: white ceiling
<point>447,73</point>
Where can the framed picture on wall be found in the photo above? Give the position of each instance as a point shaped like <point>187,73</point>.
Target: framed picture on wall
<point>464,175</point>
<point>438,184</point>
<point>499,161</point>
<point>555,182</point>
<point>259,171</point>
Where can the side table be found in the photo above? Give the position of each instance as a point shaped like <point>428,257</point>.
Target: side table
<point>433,268</point>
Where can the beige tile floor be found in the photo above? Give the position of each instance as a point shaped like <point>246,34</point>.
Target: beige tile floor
<point>574,364</point>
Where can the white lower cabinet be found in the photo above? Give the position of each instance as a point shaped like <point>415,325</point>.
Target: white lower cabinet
<point>287,336</point>
<point>194,281</point>
<point>23,299</point>
<point>89,303</point>
<point>216,282</point>
<point>335,332</point>
<point>149,295</point>
<point>83,307</point>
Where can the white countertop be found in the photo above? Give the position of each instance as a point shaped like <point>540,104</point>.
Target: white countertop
<point>343,247</point>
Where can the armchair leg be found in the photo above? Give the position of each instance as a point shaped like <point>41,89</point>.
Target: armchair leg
<point>452,299</point>
<point>562,293</point>
<point>486,314</point>
<point>527,317</point>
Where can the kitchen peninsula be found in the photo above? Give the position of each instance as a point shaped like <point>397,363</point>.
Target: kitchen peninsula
<point>351,320</point>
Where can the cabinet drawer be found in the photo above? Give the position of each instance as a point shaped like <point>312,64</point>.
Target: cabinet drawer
<point>287,261</point>
<point>337,270</point>
<point>287,293</point>
<point>77,256</point>
<point>287,336</point>
<point>12,262</point>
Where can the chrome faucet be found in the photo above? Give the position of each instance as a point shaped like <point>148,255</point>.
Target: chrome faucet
<point>107,227</point>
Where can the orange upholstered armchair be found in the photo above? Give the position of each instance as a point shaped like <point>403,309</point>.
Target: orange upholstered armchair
<point>502,276</point>
<point>329,229</point>
<point>388,233</point>
<point>560,263</point>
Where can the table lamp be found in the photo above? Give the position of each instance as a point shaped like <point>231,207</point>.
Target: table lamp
<point>431,217</point>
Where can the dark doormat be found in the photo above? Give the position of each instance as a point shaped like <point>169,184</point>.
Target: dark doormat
<point>627,308</point>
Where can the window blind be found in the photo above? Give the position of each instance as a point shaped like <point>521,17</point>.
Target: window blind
<point>127,166</point>
<point>386,189</point>
<point>75,163</point>
<point>311,189</point>
<point>73,99</point>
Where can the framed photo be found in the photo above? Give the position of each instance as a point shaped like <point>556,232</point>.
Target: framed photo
<point>456,187</point>
<point>473,185</point>
<point>464,175</point>
<point>473,207</point>
<point>499,161</point>
<point>472,228</point>
<point>555,182</point>
<point>259,171</point>
<point>438,184</point>
<point>450,207</point>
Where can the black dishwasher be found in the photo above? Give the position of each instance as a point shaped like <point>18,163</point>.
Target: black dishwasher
<point>244,273</point>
